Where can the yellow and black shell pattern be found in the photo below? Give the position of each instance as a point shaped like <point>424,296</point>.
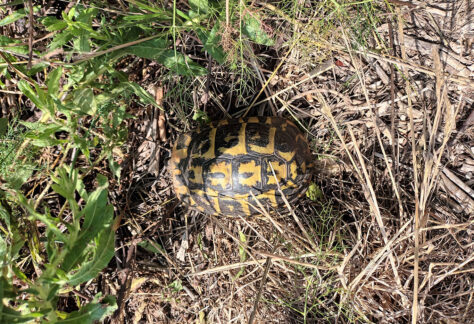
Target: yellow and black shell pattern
<point>224,167</point>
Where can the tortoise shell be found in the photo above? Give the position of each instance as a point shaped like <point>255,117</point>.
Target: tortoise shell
<point>224,167</point>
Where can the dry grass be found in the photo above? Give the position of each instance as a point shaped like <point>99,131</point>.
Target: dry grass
<point>392,241</point>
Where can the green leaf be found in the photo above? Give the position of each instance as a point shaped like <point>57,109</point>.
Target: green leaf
<point>37,68</point>
<point>98,215</point>
<point>18,14</point>
<point>41,128</point>
<point>242,253</point>
<point>252,28</point>
<point>211,41</point>
<point>45,139</point>
<point>60,39</point>
<point>47,219</point>
<point>20,49</point>
<point>86,15</point>
<point>53,81</point>
<point>82,144</point>
<point>145,17</point>
<point>151,49</point>
<point>142,93</point>
<point>114,167</point>
<point>9,315</point>
<point>81,44</point>
<point>103,253</point>
<point>30,93</point>
<point>53,24</point>
<point>314,192</point>
<point>153,248</point>
<point>84,100</point>
<point>4,285</point>
<point>201,117</point>
<point>64,185</point>
<point>92,312</point>
<point>181,64</point>
<point>80,188</point>
<point>199,6</point>
<point>176,285</point>
<point>38,96</point>
<point>119,115</point>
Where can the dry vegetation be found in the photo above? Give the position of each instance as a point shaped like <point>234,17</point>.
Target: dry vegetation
<point>386,99</point>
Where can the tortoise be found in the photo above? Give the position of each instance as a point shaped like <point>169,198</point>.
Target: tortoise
<point>223,167</point>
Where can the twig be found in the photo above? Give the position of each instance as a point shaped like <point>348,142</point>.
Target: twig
<point>30,32</point>
<point>321,69</point>
<point>414,308</point>
<point>283,60</point>
<point>395,157</point>
<point>404,63</point>
<point>260,289</point>
<point>403,3</point>
<point>297,220</point>
<point>292,261</point>
<point>18,72</point>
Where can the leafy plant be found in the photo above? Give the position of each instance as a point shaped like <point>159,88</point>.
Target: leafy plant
<point>80,104</point>
<point>75,251</point>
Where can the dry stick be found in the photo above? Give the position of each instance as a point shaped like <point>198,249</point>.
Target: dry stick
<point>325,66</point>
<point>11,92</point>
<point>450,124</point>
<point>347,258</point>
<point>399,98</point>
<point>18,72</point>
<point>373,201</point>
<point>260,236</point>
<point>432,166</point>
<point>297,220</point>
<point>226,267</point>
<point>395,156</point>
<point>291,261</point>
<point>227,14</point>
<point>259,262</point>
<point>414,313</point>
<point>260,289</point>
<point>464,187</point>
<point>260,77</point>
<point>216,101</point>
<point>462,264</point>
<point>327,112</point>
<point>455,78</point>
<point>402,3</point>
<point>378,258</point>
<point>30,32</point>
<point>283,60</point>
<point>263,211</point>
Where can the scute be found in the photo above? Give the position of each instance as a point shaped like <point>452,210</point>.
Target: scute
<point>223,168</point>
